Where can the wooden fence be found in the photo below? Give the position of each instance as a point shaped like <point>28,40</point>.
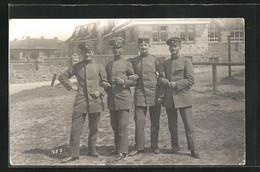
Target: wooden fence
<point>214,70</point>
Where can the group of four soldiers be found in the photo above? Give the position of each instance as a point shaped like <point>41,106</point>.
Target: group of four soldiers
<point>156,83</point>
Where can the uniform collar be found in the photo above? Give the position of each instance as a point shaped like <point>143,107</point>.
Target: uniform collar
<point>175,57</point>
<point>144,55</point>
<point>117,58</point>
<point>88,61</point>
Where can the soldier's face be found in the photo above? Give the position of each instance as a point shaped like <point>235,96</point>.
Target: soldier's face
<point>174,49</point>
<point>87,54</point>
<point>117,51</point>
<point>143,47</point>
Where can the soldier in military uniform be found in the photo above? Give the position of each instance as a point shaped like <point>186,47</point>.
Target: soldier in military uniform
<point>179,76</point>
<point>119,99</point>
<point>88,100</point>
<point>149,69</point>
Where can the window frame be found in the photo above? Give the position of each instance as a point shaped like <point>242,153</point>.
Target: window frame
<point>238,30</point>
<point>215,31</point>
<point>184,33</point>
<point>157,32</point>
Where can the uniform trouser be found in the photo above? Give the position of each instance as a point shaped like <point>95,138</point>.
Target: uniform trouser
<point>140,114</point>
<point>119,122</point>
<point>187,118</point>
<point>78,120</point>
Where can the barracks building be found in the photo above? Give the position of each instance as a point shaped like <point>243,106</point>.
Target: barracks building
<point>201,38</point>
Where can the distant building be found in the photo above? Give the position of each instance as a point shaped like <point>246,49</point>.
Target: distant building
<point>32,48</point>
<point>200,37</point>
<point>92,31</point>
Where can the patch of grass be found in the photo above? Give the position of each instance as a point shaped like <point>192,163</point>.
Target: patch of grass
<point>233,81</point>
<point>237,79</point>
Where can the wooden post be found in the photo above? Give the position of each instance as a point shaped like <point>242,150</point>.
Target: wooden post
<point>53,80</point>
<point>214,77</point>
<point>229,57</point>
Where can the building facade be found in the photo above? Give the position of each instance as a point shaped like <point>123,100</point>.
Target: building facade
<point>33,48</point>
<point>201,38</point>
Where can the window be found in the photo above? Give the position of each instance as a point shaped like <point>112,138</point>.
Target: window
<point>160,33</point>
<point>187,33</point>
<point>237,33</point>
<point>213,35</point>
<point>155,34</point>
<point>183,33</point>
<point>163,30</point>
<point>190,30</point>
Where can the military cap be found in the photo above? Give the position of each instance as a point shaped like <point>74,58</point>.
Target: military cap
<point>173,41</point>
<point>117,42</point>
<point>85,46</point>
<point>144,39</point>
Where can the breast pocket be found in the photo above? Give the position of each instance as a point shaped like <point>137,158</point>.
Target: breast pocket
<point>179,73</point>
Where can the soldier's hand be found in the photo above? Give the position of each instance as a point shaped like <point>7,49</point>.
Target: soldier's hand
<point>118,81</point>
<point>165,82</point>
<point>133,77</point>
<point>74,87</point>
<point>172,84</point>
<point>95,94</point>
<point>159,101</point>
<point>106,85</point>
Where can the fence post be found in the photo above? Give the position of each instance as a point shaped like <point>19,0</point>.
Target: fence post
<point>53,80</point>
<point>229,57</point>
<point>214,74</point>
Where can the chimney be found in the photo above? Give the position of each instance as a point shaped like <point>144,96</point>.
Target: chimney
<point>42,37</point>
<point>28,37</point>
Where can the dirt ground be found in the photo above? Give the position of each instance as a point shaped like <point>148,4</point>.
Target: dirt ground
<point>40,121</point>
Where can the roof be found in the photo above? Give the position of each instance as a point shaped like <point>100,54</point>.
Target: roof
<point>34,43</point>
<point>134,22</point>
<point>109,30</point>
<point>84,32</point>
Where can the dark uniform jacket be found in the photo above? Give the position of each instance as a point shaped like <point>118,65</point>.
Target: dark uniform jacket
<point>148,69</point>
<point>88,74</point>
<point>119,95</point>
<point>181,71</point>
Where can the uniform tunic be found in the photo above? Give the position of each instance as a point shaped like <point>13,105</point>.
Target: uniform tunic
<point>148,69</point>
<point>88,74</point>
<point>181,71</point>
<point>119,96</point>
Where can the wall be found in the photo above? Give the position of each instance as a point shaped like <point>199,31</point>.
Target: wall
<point>220,50</point>
<point>198,48</point>
<point>30,76</point>
<point>32,71</point>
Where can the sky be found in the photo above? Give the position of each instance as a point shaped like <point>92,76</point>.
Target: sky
<point>49,28</point>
